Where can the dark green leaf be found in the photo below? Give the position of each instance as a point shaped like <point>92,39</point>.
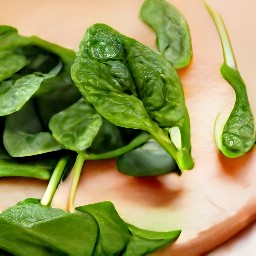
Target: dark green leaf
<point>113,232</point>
<point>107,139</point>
<point>10,64</point>
<point>23,138</point>
<point>76,127</point>
<point>150,159</point>
<point>238,135</point>
<point>152,98</point>
<point>172,31</point>
<point>33,168</point>
<point>32,229</point>
<point>144,241</point>
<point>32,66</point>
<point>15,93</point>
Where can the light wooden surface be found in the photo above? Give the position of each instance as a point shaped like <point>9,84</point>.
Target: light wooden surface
<point>217,188</point>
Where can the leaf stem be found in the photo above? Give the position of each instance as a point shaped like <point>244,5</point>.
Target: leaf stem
<point>182,157</point>
<point>140,139</point>
<point>229,57</point>
<point>54,181</point>
<point>76,172</point>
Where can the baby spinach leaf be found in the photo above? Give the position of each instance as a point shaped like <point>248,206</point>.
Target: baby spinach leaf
<point>172,31</point>
<point>30,228</point>
<point>144,241</point>
<point>22,138</point>
<point>150,159</point>
<point>29,64</point>
<point>15,93</point>
<point>157,101</point>
<point>33,168</point>
<point>10,64</point>
<point>76,127</point>
<point>113,232</point>
<point>237,136</point>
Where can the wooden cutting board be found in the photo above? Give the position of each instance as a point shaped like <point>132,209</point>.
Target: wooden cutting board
<point>206,203</point>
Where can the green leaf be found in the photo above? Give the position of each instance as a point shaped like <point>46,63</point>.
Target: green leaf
<point>144,241</point>
<point>15,93</point>
<point>30,67</point>
<point>152,99</point>
<point>150,159</point>
<point>32,229</point>
<point>10,40</point>
<point>172,31</point>
<point>108,138</point>
<point>10,64</point>
<point>237,136</point>
<point>33,168</point>
<point>22,138</point>
<point>113,232</point>
<point>76,127</point>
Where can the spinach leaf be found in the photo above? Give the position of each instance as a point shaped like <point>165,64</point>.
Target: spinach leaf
<point>109,138</point>
<point>10,64</point>
<point>150,159</point>
<point>15,93</point>
<point>54,101</point>
<point>172,31</point>
<point>160,101</point>
<point>30,228</point>
<point>144,241</point>
<point>10,40</point>
<point>76,127</point>
<point>237,136</point>
<point>113,232</point>
<point>30,66</point>
<point>34,168</point>
<point>22,138</point>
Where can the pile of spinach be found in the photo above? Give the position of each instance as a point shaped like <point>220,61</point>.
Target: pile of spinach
<point>124,101</point>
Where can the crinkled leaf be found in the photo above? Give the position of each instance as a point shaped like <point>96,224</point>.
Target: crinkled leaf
<point>153,98</point>
<point>238,134</point>
<point>172,31</point>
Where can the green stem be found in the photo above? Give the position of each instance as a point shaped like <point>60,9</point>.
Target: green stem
<point>229,57</point>
<point>54,181</point>
<point>76,172</point>
<point>182,157</point>
<point>140,139</point>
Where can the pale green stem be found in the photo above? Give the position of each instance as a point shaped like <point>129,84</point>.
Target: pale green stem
<point>76,172</point>
<point>54,182</point>
<point>229,57</point>
<point>139,140</point>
